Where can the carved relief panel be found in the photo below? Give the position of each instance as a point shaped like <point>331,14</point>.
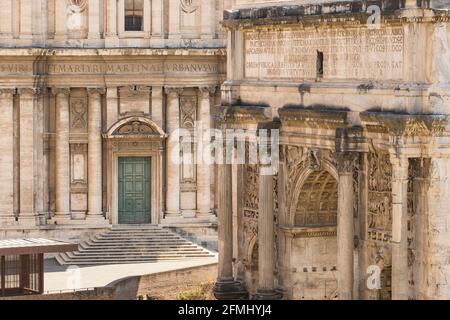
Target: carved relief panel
<point>78,177</point>
<point>77,19</point>
<point>78,111</point>
<point>380,197</point>
<point>251,201</point>
<point>190,17</point>
<point>188,116</point>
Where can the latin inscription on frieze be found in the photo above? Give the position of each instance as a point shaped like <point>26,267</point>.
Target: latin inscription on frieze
<point>16,68</point>
<point>132,68</point>
<point>111,68</point>
<point>355,53</point>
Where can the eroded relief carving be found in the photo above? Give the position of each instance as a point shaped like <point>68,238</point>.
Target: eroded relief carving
<point>414,172</point>
<point>135,128</point>
<point>189,6</point>
<point>251,201</point>
<point>188,106</point>
<point>77,18</point>
<point>380,197</point>
<point>78,113</point>
<point>380,254</point>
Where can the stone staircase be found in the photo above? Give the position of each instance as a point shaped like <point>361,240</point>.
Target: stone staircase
<point>133,244</point>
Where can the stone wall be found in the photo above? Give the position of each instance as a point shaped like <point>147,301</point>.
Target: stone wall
<point>165,285</point>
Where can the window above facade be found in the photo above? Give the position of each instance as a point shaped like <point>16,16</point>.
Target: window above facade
<point>134,15</point>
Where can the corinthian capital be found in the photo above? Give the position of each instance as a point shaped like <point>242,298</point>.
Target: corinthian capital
<point>29,91</point>
<point>347,162</point>
<point>173,91</point>
<point>7,93</point>
<point>207,91</point>
<point>60,91</point>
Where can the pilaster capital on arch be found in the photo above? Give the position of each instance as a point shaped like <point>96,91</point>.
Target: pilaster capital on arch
<point>347,162</point>
<point>64,91</point>
<point>173,91</point>
<point>29,91</point>
<point>92,91</point>
<point>7,93</point>
<point>207,91</point>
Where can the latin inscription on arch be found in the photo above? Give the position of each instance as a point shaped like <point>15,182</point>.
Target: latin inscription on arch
<point>353,53</point>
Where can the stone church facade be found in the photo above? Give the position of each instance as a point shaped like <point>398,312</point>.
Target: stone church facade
<point>359,206</point>
<point>89,94</point>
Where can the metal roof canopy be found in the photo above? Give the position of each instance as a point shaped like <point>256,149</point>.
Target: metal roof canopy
<point>34,246</point>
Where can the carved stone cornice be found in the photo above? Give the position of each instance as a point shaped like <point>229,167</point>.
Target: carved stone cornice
<point>349,13</point>
<point>243,114</point>
<point>96,91</point>
<point>60,91</point>
<point>7,93</point>
<point>207,91</point>
<point>173,91</point>
<point>321,119</point>
<point>404,125</point>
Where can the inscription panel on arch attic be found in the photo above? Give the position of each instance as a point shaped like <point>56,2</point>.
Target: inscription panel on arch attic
<point>348,53</point>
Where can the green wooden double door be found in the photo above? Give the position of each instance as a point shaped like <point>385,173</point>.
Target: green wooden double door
<point>135,190</point>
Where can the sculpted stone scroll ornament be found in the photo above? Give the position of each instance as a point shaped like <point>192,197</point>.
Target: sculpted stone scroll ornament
<point>135,128</point>
<point>78,113</point>
<point>188,111</point>
<point>313,160</point>
<point>189,6</point>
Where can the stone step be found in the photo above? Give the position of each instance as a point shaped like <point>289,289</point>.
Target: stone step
<point>124,253</point>
<point>130,259</point>
<point>133,245</point>
<point>138,256</point>
<point>135,242</point>
<point>138,249</point>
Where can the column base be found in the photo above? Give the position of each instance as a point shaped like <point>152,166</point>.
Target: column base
<point>28,220</point>
<point>230,290</point>
<point>268,295</point>
<point>7,220</point>
<point>60,218</point>
<point>207,216</point>
<point>187,214</point>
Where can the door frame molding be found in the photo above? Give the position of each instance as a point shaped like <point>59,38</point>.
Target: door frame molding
<point>134,137</point>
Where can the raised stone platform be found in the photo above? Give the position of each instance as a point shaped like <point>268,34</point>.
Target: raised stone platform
<point>133,244</point>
